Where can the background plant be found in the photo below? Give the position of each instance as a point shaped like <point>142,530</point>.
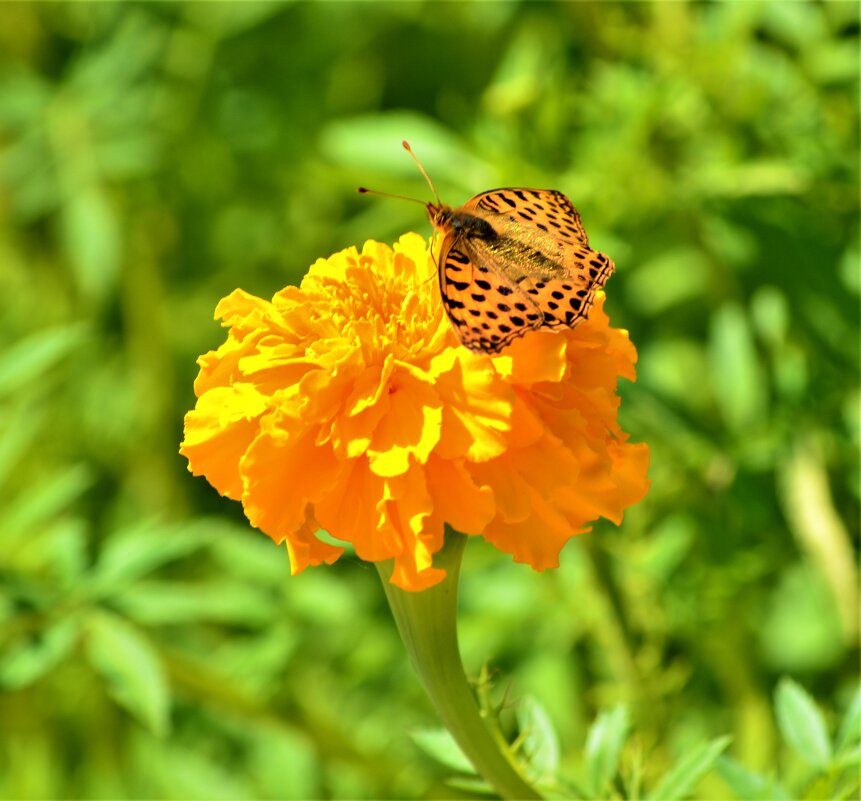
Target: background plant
<point>156,156</point>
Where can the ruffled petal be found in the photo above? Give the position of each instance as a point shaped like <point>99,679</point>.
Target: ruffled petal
<point>283,471</point>
<point>410,429</point>
<point>306,549</point>
<point>218,431</point>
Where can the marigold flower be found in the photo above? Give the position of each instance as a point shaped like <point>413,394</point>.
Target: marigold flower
<point>347,404</point>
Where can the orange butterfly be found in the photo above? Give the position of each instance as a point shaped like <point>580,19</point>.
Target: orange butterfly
<point>513,261</point>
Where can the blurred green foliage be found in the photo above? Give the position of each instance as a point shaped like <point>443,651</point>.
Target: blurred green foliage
<point>156,156</point>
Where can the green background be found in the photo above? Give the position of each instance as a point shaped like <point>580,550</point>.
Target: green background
<point>155,157</point>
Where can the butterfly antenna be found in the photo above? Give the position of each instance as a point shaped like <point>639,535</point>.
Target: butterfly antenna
<point>365,191</point>
<point>427,177</point>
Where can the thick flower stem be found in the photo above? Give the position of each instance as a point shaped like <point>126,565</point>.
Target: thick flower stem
<point>427,622</point>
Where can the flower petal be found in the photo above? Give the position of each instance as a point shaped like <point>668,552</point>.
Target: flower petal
<point>217,433</point>
<point>305,548</point>
<point>283,471</point>
<point>411,427</point>
<point>464,504</point>
<point>477,406</point>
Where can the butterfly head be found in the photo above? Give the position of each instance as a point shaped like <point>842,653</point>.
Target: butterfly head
<point>440,216</point>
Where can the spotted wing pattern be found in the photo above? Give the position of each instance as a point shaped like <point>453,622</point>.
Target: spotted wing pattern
<point>544,210</point>
<point>538,271</point>
<point>488,309</point>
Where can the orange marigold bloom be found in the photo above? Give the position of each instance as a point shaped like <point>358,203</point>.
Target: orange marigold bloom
<point>347,404</point>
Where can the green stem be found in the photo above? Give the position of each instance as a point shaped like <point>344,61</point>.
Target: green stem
<point>427,622</point>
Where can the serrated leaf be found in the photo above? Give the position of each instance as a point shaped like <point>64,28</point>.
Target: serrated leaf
<point>604,746</point>
<point>131,669</point>
<point>801,724</point>
<point>687,772</point>
<point>746,784</point>
<point>439,744</point>
<point>849,732</point>
<point>540,743</point>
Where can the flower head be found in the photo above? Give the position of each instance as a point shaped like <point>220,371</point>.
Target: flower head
<point>347,404</point>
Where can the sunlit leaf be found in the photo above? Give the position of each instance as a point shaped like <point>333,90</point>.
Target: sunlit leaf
<point>170,602</point>
<point>849,732</point>
<point>25,662</point>
<point>802,724</point>
<point>439,744</point>
<point>470,785</point>
<point>738,381</point>
<point>131,669</point>
<point>46,499</point>
<point>91,232</point>
<point>689,770</point>
<point>374,142</point>
<point>31,357</point>
<point>141,548</point>
<point>540,741</point>
<point>748,785</point>
<point>604,746</point>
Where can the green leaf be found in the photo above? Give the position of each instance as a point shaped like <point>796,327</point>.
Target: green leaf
<point>273,747</point>
<point>849,733</point>
<point>140,549</point>
<point>682,273</point>
<point>800,625</point>
<point>684,775</point>
<point>177,771</point>
<point>748,785</point>
<point>92,238</point>
<point>470,785</point>
<point>44,500</point>
<point>849,758</point>
<point>56,552</point>
<point>156,603</point>
<point>440,745</point>
<point>738,378</point>
<point>540,742</point>
<point>604,746</point>
<point>374,141</point>
<point>33,356</point>
<point>677,369</point>
<point>18,432</point>
<point>801,724</point>
<point>27,662</point>
<point>131,669</point>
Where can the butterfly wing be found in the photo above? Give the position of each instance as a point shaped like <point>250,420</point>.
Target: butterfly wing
<point>546,251</point>
<point>544,210</point>
<point>487,308</point>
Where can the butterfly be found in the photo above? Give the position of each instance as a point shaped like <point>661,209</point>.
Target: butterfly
<point>511,261</point>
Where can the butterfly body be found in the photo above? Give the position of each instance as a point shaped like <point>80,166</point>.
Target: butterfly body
<point>512,261</point>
